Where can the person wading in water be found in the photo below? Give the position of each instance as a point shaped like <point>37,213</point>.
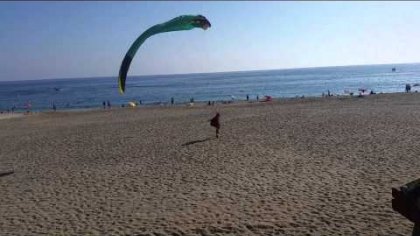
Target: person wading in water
<point>216,123</point>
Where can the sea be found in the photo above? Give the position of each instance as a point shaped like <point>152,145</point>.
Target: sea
<point>80,93</point>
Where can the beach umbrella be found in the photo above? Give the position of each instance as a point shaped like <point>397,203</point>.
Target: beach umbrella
<point>132,104</point>
<point>184,22</point>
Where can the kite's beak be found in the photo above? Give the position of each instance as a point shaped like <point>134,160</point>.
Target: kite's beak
<point>205,24</point>
<point>202,22</point>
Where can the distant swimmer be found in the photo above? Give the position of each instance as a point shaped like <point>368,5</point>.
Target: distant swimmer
<point>407,88</point>
<point>215,122</point>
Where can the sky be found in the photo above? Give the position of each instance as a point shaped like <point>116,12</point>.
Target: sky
<point>48,40</point>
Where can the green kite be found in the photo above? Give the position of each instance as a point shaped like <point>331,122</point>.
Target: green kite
<point>185,22</point>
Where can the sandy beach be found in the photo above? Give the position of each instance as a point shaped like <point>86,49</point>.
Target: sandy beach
<point>10,115</point>
<point>313,166</point>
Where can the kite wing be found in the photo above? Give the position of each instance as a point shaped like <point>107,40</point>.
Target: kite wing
<point>185,22</point>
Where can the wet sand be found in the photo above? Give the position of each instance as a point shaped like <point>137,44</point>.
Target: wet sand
<point>313,166</point>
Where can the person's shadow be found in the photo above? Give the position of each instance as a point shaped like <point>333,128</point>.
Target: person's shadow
<point>5,173</point>
<point>197,141</point>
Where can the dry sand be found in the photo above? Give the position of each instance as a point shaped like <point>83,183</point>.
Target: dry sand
<point>10,115</point>
<point>297,167</point>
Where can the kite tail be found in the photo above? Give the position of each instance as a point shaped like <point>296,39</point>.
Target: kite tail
<point>125,65</point>
<point>123,72</point>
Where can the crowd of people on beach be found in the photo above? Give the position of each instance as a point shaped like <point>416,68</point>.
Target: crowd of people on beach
<point>107,104</point>
<point>27,107</point>
<point>362,92</point>
<point>190,103</point>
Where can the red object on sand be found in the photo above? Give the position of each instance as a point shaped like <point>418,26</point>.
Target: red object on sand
<point>266,99</point>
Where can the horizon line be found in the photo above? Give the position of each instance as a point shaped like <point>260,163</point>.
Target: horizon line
<point>195,73</point>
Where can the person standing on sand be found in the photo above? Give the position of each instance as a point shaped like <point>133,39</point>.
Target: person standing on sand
<point>216,123</point>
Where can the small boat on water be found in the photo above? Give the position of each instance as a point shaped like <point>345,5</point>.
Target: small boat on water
<point>393,69</point>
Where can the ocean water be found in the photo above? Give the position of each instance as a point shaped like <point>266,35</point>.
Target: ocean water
<point>286,83</point>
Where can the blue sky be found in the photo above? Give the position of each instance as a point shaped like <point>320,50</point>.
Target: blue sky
<point>42,40</point>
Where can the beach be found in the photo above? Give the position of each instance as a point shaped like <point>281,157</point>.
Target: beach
<point>10,115</point>
<point>312,166</point>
